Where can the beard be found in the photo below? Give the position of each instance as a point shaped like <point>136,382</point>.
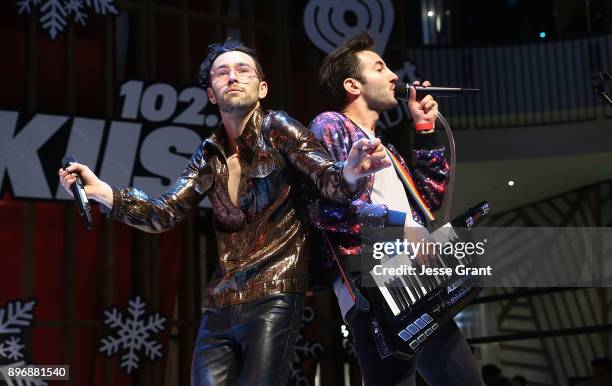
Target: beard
<point>378,98</point>
<point>237,103</point>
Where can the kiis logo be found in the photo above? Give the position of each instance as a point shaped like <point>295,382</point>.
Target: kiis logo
<point>158,128</point>
<point>328,23</point>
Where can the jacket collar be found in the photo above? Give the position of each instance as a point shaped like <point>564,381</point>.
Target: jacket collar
<point>249,142</point>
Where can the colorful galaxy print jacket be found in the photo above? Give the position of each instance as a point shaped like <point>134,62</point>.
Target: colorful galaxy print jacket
<point>348,226</point>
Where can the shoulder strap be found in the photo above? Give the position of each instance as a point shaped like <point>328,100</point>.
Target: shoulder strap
<point>406,178</point>
<point>361,302</point>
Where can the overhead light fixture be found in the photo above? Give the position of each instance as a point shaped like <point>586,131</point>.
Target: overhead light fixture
<point>510,183</point>
<point>430,13</point>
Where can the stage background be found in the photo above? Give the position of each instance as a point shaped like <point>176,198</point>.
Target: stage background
<point>536,112</point>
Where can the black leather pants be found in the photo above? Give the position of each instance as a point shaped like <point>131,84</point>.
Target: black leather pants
<point>248,344</point>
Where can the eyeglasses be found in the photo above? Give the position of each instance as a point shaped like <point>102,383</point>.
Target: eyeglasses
<point>244,73</point>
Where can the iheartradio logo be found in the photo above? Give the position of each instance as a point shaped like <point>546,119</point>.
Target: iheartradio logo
<point>328,23</point>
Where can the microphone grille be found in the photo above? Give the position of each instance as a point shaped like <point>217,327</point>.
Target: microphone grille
<point>401,89</point>
<point>67,160</point>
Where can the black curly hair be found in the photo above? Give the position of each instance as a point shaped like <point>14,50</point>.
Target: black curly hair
<point>214,50</point>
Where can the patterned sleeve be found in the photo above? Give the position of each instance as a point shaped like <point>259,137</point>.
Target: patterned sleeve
<point>350,219</point>
<point>430,170</point>
<point>328,129</point>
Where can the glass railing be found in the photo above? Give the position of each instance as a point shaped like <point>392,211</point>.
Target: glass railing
<point>522,84</point>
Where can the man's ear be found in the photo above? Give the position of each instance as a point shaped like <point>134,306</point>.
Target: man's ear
<point>211,96</point>
<point>263,89</point>
<point>352,86</point>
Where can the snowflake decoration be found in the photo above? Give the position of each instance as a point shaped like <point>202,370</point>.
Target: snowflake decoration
<point>25,5</point>
<point>134,334</point>
<point>74,7</point>
<point>304,349</point>
<point>54,14</point>
<point>11,348</point>
<point>14,317</point>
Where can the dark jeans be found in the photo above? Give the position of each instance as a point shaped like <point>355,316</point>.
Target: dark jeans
<point>248,344</point>
<point>446,359</point>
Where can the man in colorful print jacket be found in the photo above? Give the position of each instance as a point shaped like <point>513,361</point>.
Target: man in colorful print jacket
<point>359,86</point>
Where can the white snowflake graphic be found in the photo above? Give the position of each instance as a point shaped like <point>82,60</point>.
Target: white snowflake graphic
<point>102,6</point>
<point>74,7</point>
<point>26,5</point>
<point>304,349</point>
<point>134,334</point>
<point>54,14</point>
<point>11,348</point>
<point>14,317</point>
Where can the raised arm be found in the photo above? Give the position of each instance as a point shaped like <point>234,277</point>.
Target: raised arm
<point>329,128</point>
<point>335,181</point>
<point>133,207</point>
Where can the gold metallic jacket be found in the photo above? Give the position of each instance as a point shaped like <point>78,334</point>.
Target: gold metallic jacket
<point>262,243</point>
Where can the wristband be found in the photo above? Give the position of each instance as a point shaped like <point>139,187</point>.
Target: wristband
<point>424,126</point>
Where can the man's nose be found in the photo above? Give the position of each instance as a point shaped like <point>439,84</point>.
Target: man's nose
<point>394,76</point>
<point>233,76</point>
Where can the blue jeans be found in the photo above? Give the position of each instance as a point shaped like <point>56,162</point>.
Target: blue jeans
<point>445,360</point>
<point>248,344</point>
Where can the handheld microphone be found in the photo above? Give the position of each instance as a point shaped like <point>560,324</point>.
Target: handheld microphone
<point>78,191</point>
<point>402,91</point>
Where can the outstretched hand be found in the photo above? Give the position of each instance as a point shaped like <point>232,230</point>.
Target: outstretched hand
<point>365,158</point>
<point>95,188</point>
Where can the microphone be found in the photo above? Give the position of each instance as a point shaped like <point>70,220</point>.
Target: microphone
<point>402,91</point>
<point>78,191</point>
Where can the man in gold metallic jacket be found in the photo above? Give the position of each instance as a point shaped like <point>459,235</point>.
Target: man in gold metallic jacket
<point>249,169</point>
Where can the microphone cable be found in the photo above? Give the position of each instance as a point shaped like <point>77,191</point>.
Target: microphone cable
<point>448,198</point>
